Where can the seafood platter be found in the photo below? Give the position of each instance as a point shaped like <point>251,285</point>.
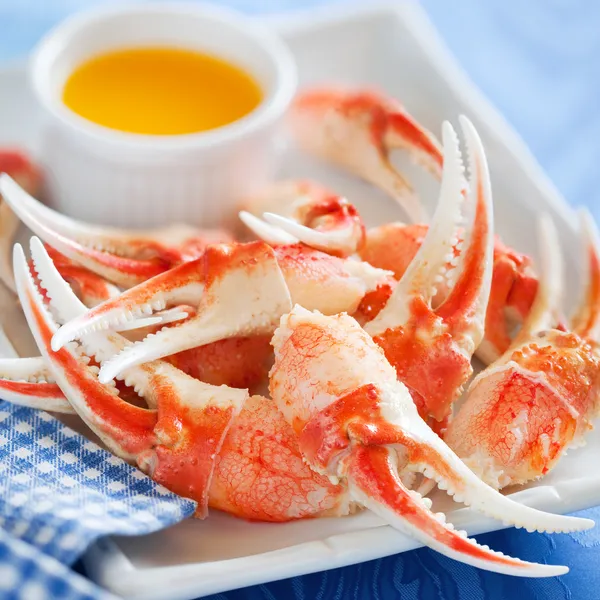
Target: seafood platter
<point>317,315</point>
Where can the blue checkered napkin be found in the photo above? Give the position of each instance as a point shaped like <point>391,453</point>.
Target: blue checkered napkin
<point>27,574</point>
<point>59,491</point>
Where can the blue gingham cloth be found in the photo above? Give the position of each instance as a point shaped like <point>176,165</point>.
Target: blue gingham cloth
<point>60,492</point>
<point>27,574</point>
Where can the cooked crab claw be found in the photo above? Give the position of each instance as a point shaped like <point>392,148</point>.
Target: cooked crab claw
<point>28,382</point>
<point>181,285</point>
<point>541,397</point>
<point>308,212</point>
<point>357,422</point>
<point>123,257</point>
<point>268,233</point>
<point>358,130</point>
<point>200,282</point>
<point>233,304</point>
<point>344,240</point>
<point>233,278</point>
<point>431,348</point>
<point>176,440</point>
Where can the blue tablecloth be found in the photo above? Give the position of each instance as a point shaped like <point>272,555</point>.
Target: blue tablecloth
<point>539,62</point>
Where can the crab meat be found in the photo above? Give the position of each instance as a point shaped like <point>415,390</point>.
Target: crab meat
<point>260,473</point>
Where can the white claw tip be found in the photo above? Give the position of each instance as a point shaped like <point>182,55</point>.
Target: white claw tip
<point>467,125</point>
<point>104,376</point>
<point>59,339</point>
<point>265,231</point>
<point>336,239</point>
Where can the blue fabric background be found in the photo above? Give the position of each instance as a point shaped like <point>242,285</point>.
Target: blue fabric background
<point>539,62</point>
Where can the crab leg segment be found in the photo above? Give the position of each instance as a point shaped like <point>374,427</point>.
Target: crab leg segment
<point>357,422</point>
<point>358,131</point>
<point>234,304</point>
<point>431,349</point>
<point>177,441</point>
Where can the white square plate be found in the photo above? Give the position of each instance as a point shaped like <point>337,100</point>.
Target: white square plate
<point>394,47</point>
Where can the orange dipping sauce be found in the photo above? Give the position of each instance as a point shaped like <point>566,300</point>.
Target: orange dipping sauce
<point>160,91</point>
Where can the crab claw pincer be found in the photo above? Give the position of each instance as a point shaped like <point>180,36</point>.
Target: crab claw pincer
<point>176,439</point>
<point>307,212</point>
<point>227,284</point>
<point>28,382</point>
<point>357,422</point>
<point>358,130</point>
<point>123,257</point>
<point>431,346</point>
<point>238,289</point>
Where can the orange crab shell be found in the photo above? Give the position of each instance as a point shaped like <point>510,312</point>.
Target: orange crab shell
<point>393,246</point>
<point>260,473</point>
<point>514,283</point>
<point>239,362</point>
<point>437,369</point>
<point>524,413</point>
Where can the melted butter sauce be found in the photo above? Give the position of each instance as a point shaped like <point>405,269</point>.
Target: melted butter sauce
<point>160,91</point>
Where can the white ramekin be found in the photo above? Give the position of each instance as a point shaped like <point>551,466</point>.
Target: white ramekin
<point>109,177</point>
